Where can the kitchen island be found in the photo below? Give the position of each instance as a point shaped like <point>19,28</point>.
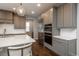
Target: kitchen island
<point>13,40</point>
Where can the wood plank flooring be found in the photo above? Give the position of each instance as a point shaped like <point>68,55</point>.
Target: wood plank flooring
<point>39,50</point>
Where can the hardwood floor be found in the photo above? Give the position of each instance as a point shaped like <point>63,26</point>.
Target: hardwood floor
<point>39,50</point>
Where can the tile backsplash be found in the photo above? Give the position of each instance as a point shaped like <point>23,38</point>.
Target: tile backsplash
<point>67,32</point>
<point>10,29</point>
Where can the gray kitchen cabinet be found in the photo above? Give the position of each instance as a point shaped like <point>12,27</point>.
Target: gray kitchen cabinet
<point>60,17</point>
<point>74,18</point>
<point>59,47</point>
<point>72,48</point>
<point>19,22</point>
<point>69,15</point>
<point>64,47</point>
<point>66,16</point>
<point>51,15</point>
<point>47,16</point>
<point>6,16</point>
<point>54,18</point>
<point>41,38</point>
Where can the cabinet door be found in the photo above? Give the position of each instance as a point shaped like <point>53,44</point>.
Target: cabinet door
<point>60,17</point>
<point>19,22</point>
<point>22,22</point>
<point>59,47</point>
<point>40,37</point>
<point>45,18</point>
<point>6,16</point>
<point>74,15</point>
<point>68,15</point>
<point>72,48</point>
<point>1,14</point>
<point>16,22</point>
<point>54,18</point>
<point>48,16</point>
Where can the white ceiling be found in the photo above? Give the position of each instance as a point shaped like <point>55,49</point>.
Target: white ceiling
<point>29,7</point>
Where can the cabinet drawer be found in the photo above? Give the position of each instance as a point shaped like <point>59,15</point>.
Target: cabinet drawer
<point>59,43</point>
<point>60,40</point>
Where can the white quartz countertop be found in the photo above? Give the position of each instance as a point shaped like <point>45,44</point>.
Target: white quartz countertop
<point>65,37</point>
<point>15,40</point>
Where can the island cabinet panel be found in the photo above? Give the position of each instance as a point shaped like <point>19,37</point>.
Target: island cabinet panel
<point>6,16</point>
<point>19,22</point>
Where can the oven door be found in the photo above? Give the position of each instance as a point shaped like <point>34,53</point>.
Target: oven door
<point>48,38</point>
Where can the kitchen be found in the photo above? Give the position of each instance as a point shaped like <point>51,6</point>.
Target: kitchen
<point>49,26</point>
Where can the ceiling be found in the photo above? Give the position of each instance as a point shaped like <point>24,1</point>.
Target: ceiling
<point>29,7</point>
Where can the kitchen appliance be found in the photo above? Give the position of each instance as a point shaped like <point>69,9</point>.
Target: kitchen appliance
<point>48,28</point>
<point>48,34</point>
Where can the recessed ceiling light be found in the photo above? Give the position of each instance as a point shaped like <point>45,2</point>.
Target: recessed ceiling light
<point>33,12</point>
<point>14,8</point>
<point>38,4</point>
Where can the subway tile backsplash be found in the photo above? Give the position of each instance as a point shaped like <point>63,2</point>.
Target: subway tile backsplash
<point>67,32</point>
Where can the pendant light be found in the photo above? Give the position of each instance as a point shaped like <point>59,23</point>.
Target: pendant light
<point>20,10</point>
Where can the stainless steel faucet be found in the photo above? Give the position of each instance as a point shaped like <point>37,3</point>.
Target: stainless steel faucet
<point>4,32</point>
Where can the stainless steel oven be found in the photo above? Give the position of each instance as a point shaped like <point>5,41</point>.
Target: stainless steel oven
<point>48,27</point>
<point>48,33</point>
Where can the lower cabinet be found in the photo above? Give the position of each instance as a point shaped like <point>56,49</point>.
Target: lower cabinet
<point>72,47</point>
<point>41,37</point>
<point>64,47</point>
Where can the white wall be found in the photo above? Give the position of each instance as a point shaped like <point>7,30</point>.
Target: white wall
<point>78,29</point>
<point>35,29</point>
<point>10,29</point>
<point>40,27</point>
<point>33,26</point>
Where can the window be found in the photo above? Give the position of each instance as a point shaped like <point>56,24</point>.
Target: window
<point>27,26</point>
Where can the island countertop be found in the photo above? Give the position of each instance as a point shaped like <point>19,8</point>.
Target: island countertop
<point>15,40</point>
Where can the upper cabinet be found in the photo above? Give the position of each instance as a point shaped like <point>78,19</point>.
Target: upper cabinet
<point>66,16</point>
<point>19,22</point>
<point>54,18</point>
<point>47,16</point>
<point>60,16</point>
<point>70,15</point>
<point>50,17</point>
<point>6,16</point>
